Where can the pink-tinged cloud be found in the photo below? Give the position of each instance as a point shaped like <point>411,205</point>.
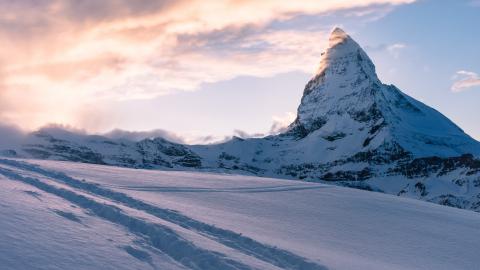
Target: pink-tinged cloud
<point>465,80</point>
<point>62,58</point>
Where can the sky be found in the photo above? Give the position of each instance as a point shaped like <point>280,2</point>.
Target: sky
<point>206,69</point>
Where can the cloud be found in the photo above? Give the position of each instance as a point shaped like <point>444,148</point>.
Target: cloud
<point>245,135</point>
<point>464,80</point>
<point>60,56</point>
<point>12,136</point>
<point>141,135</point>
<point>281,123</point>
<point>177,138</point>
<point>392,49</point>
<point>474,3</point>
<point>395,49</point>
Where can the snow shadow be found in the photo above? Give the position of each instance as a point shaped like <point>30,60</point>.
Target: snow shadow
<point>68,215</point>
<point>34,194</point>
<point>138,254</point>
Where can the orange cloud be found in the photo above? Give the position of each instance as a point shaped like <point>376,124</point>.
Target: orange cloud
<point>60,56</point>
<point>464,80</point>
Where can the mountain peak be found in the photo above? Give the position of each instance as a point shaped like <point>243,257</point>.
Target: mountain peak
<point>346,97</point>
<point>337,30</point>
<point>337,36</point>
<point>341,47</point>
<point>345,82</point>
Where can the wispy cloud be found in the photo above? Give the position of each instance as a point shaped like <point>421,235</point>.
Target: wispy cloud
<point>281,123</point>
<point>141,135</point>
<point>393,49</point>
<point>474,3</point>
<point>465,80</point>
<point>60,56</point>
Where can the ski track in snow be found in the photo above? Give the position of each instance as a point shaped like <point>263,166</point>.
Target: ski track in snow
<point>229,190</point>
<point>161,236</point>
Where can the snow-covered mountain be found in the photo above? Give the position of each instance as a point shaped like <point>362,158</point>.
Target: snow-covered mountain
<point>351,129</point>
<point>346,100</point>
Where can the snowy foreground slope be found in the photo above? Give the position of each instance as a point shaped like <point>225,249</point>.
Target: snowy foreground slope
<point>63,215</point>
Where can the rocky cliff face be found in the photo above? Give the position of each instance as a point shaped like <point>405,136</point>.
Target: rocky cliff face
<point>351,129</point>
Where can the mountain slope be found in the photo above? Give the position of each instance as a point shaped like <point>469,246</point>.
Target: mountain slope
<point>64,215</point>
<point>351,129</point>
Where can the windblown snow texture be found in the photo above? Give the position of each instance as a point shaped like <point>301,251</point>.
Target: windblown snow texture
<point>65,215</point>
